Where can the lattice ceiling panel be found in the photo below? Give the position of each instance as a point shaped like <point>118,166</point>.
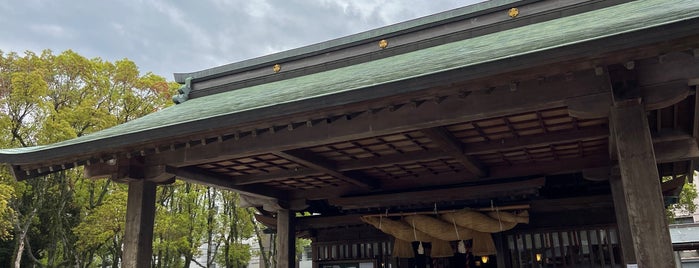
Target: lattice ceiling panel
<point>514,126</point>
<point>398,171</point>
<point>260,164</point>
<point>307,183</point>
<point>551,152</point>
<point>375,147</point>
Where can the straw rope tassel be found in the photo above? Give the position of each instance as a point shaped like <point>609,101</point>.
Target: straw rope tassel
<point>420,249</point>
<point>461,247</point>
<point>497,212</point>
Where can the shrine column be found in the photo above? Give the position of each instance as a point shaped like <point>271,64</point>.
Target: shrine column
<point>640,187</point>
<point>140,217</point>
<point>622,220</point>
<point>286,238</point>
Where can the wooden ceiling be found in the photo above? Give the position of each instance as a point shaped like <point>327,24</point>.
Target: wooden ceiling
<point>468,150</point>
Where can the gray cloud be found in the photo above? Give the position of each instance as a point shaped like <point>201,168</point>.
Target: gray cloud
<point>182,36</point>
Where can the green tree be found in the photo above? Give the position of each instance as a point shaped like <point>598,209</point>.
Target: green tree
<point>64,219</point>
<point>180,224</point>
<point>236,227</point>
<point>685,203</point>
<point>46,98</point>
<point>6,212</point>
<point>101,232</point>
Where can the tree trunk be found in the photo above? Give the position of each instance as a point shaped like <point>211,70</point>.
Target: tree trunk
<point>263,252</point>
<point>187,261</point>
<point>21,238</point>
<point>211,194</point>
<point>18,251</point>
<point>227,248</point>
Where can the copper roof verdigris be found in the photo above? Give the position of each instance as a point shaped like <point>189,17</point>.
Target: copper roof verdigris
<point>203,113</point>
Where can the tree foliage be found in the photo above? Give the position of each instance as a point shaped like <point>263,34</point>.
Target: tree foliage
<point>59,220</point>
<point>685,203</point>
<point>62,219</point>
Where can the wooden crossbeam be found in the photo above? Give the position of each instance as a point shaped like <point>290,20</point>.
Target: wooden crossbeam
<point>668,148</point>
<point>445,179</point>
<point>454,148</point>
<point>315,162</point>
<point>393,159</point>
<point>433,196</point>
<point>556,137</point>
<point>202,176</point>
<point>273,176</point>
<point>663,147</point>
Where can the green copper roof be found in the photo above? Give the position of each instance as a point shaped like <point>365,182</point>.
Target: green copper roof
<point>619,19</point>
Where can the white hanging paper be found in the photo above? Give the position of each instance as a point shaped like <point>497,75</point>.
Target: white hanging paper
<point>461,247</point>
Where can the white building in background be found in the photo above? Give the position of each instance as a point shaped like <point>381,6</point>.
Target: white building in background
<point>305,258</point>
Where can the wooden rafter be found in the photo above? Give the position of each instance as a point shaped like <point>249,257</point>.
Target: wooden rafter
<point>668,149</point>
<point>272,176</point>
<point>454,148</point>
<point>201,176</point>
<point>315,162</point>
<point>545,139</point>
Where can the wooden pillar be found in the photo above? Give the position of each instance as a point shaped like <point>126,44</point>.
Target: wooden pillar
<point>286,239</point>
<point>140,217</point>
<point>314,252</point>
<point>640,183</point>
<point>622,219</point>
<point>501,247</point>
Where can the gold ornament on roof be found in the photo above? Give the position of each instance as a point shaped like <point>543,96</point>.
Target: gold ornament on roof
<point>277,68</point>
<point>514,12</point>
<point>383,43</point>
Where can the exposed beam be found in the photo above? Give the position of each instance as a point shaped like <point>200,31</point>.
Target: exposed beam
<point>201,176</point>
<point>408,184</point>
<point>393,159</point>
<point>454,148</point>
<point>312,161</point>
<point>433,196</point>
<point>684,147</point>
<point>272,176</point>
<point>428,155</point>
<point>549,167</point>
<point>668,149</point>
<point>319,222</point>
<point>572,203</point>
<point>587,133</point>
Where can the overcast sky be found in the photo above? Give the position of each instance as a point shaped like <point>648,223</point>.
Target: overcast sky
<point>165,37</point>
